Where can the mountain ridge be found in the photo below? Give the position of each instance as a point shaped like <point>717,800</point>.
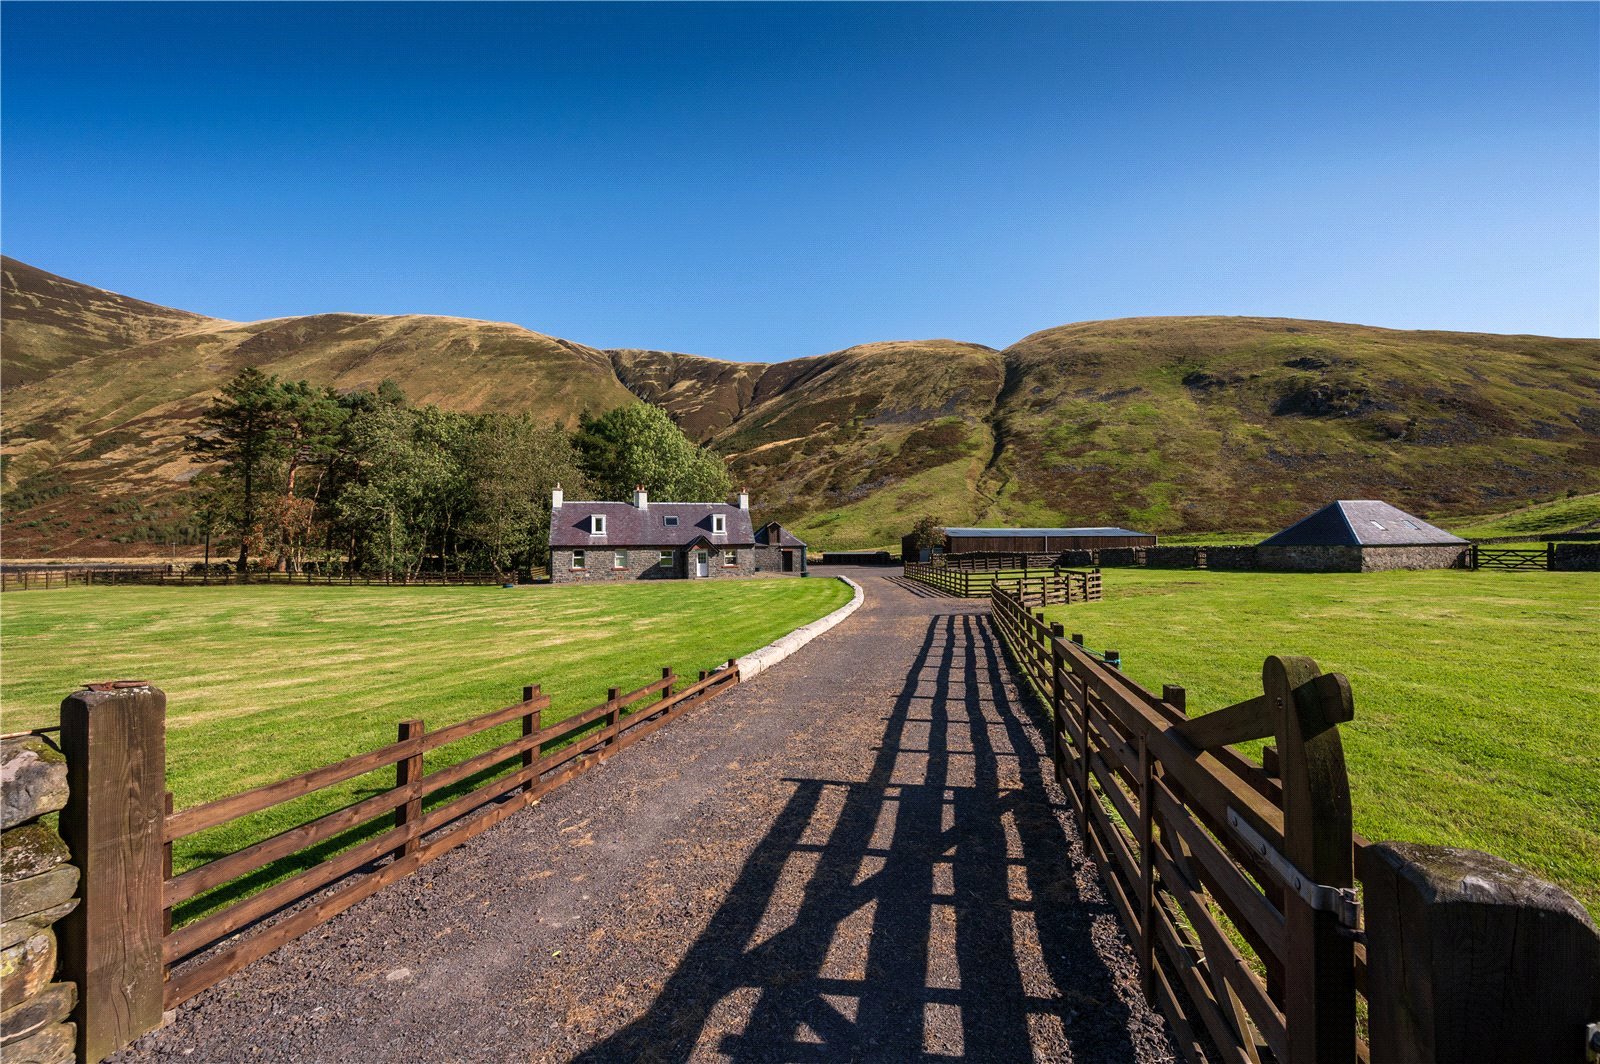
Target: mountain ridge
<point>1170,422</point>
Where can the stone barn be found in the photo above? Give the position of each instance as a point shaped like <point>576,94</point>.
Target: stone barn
<point>1361,536</point>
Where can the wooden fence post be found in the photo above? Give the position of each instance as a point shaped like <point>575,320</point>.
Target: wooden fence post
<point>530,724</point>
<point>1319,1006</point>
<point>408,770</point>
<point>1176,697</point>
<point>114,737</point>
<point>1471,958</point>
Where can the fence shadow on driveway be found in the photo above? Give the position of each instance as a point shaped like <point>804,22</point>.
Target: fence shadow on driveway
<point>928,911</point>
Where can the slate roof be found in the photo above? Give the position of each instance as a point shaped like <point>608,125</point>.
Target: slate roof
<point>1361,523</point>
<point>628,526</point>
<point>1019,533</point>
<point>785,537</point>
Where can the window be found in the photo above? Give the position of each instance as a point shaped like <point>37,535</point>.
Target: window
<point>597,524</point>
<point>1411,525</point>
<point>666,558</point>
<point>1379,527</point>
<point>730,557</point>
<point>719,524</point>
<point>671,520</point>
<point>577,559</point>
<point>619,560</point>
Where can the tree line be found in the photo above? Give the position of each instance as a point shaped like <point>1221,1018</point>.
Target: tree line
<point>296,476</point>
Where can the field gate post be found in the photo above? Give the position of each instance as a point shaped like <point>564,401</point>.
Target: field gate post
<point>114,736</point>
<point>1318,841</point>
<point>1471,958</point>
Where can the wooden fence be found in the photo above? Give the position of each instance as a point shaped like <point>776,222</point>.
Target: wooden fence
<point>179,576</point>
<point>1038,586</point>
<point>1236,881</point>
<point>1538,558</point>
<point>131,961</point>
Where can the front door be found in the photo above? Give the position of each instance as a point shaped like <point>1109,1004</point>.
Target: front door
<point>702,563</point>
<point>788,561</point>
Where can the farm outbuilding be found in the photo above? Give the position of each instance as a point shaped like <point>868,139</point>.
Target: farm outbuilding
<point>1041,540</point>
<point>779,551</point>
<point>1361,536</point>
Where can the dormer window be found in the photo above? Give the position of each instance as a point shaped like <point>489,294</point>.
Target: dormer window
<point>719,524</point>
<point>671,521</point>
<point>597,524</point>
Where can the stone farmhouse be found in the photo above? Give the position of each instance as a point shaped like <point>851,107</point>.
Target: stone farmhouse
<point>1361,536</point>
<point>608,542</point>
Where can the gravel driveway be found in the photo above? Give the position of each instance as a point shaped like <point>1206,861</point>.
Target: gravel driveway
<point>856,856</point>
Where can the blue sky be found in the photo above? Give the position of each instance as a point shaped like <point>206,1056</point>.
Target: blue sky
<point>762,182</point>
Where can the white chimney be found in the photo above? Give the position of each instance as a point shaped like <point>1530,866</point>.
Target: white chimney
<point>555,498</point>
<point>744,499</point>
<point>641,498</point>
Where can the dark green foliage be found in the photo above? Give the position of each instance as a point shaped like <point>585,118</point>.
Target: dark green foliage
<point>639,446</point>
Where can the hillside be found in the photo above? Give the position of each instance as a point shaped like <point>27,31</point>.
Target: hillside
<point>94,449</point>
<point>1192,424</point>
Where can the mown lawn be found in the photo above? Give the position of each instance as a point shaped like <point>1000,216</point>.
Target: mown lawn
<point>1477,695</point>
<point>266,682</point>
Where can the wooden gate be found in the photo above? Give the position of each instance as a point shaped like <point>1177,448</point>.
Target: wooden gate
<point>1535,558</point>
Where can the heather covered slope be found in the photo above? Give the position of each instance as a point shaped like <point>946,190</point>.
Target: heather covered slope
<point>1213,423</point>
<point>51,322</point>
<point>94,450</point>
<point>1166,424</point>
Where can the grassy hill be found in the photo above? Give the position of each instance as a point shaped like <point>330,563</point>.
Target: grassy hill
<point>93,446</point>
<point>1193,425</point>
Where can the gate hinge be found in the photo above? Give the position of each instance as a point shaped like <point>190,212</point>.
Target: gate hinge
<point>1341,901</point>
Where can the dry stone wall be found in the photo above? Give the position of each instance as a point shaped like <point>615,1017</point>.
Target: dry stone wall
<point>38,886</point>
<point>1576,557</point>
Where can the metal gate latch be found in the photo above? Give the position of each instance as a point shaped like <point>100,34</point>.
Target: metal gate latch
<point>1341,901</point>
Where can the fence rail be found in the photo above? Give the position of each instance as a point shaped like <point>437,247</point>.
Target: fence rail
<point>544,757</point>
<point>1038,587</point>
<point>1199,847</point>
<point>1236,881</point>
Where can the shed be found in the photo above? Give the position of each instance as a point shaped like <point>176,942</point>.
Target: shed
<point>1361,535</point>
<point>779,551</point>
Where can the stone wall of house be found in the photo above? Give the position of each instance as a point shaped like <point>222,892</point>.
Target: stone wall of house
<point>1350,559</point>
<point>770,560</point>
<point>1232,558</point>
<point>38,886</point>
<point>642,565</point>
<point>1576,557</point>
<point>1383,559</point>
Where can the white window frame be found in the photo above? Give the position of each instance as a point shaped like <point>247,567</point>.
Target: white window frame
<point>619,559</point>
<point>666,558</point>
<point>579,560</point>
<point>730,558</point>
<point>597,524</point>
<point>719,524</point>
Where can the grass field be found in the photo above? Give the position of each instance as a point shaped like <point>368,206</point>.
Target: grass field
<point>1477,695</point>
<point>266,682</point>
